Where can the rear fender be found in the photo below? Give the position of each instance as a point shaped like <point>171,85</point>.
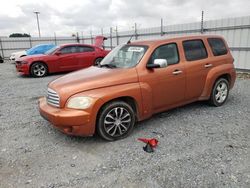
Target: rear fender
<point>213,75</point>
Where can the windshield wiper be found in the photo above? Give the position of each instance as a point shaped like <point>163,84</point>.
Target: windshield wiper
<point>108,66</point>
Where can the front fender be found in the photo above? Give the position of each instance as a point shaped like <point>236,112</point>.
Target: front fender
<point>214,74</point>
<point>104,95</point>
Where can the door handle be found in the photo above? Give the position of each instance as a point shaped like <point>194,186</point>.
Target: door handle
<point>176,72</point>
<point>208,65</point>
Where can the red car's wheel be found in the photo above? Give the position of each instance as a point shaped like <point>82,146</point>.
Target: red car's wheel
<point>98,61</point>
<point>38,69</point>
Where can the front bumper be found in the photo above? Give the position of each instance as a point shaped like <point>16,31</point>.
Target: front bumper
<point>69,121</point>
<point>22,68</point>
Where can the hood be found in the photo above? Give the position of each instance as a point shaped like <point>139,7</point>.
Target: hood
<point>18,54</point>
<point>32,57</point>
<point>91,78</point>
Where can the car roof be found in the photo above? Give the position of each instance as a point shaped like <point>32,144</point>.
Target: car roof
<point>173,39</point>
<point>75,44</point>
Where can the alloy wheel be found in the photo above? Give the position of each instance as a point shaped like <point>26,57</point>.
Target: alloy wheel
<point>117,122</point>
<point>221,92</point>
<point>39,70</point>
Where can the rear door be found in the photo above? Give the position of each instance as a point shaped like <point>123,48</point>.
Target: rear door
<point>197,66</point>
<point>67,60</point>
<point>86,56</point>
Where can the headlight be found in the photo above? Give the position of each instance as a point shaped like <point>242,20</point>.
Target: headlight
<point>79,102</point>
<point>24,62</point>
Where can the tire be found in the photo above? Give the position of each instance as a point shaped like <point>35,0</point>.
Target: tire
<point>98,61</point>
<point>115,121</point>
<point>219,92</point>
<point>38,69</point>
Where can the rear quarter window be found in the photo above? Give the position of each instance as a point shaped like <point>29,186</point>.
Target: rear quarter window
<point>218,46</point>
<point>194,50</point>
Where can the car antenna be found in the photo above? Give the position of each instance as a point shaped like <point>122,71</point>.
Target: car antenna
<point>129,41</point>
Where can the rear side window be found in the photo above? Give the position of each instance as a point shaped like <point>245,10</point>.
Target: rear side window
<point>194,50</point>
<point>85,49</point>
<point>168,52</point>
<point>218,46</point>
<point>69,50</point>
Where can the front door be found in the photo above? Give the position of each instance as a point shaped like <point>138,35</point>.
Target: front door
<point>167,84</point>
<point>67,59</point>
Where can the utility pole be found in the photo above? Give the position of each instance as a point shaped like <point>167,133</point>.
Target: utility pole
<point>37,19</point>
<point>202,20</point>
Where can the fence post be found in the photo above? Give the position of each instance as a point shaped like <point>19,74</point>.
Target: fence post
<point>91,37</point>
<point>1,45</point>
<point>102,31</point>
<point>202,17</point>
<point>77,37</point>
<point>111,45</point>
<point>30,41</point>
<point>117,37</point>
<point>136,35</point>
<point>55,38</point>
<point>82,37</point>
<point>162,33</point>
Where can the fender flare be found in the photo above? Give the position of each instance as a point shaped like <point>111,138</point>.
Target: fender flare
<point>212,76</point>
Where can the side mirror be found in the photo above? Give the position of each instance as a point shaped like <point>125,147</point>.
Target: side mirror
<point>158,63</point>
<point>58,53</point>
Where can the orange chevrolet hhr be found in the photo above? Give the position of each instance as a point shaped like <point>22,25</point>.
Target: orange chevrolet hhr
<point>135,81</point>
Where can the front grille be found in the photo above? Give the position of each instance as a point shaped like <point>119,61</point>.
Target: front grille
<point>53,98</point>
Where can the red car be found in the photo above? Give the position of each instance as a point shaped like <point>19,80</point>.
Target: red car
<point>64,58</point>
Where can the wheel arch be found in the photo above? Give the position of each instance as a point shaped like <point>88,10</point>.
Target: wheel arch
<point>213,75</point>
<point>226,76</point>
<point>127,99</point>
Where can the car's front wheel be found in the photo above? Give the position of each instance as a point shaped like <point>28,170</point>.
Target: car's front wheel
<point>220,92</point>
<point>115,121</point>
<point>38,69</point>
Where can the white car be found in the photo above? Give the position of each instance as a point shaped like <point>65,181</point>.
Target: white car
<point>38,49</point>
<point>17,55</point>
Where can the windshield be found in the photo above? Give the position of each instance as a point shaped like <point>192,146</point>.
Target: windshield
<point>52,50</point>
<point>124,56</point>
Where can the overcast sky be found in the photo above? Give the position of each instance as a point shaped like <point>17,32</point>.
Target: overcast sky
<point>69,16</point>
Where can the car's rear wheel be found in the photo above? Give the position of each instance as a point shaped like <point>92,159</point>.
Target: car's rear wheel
<point>115,121</point>
<point>220,92</point>
<point>1,59</point>
<point>38,69</point>
<point>98,61</point>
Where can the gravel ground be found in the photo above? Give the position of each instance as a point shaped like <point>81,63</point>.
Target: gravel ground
<point>200,146</point>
